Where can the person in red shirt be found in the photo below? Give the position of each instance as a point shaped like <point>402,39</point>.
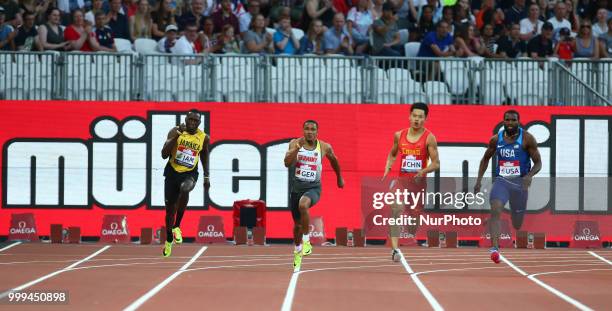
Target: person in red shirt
<point>418,151</point>
<point>79,33</point>
<point>566,45</point>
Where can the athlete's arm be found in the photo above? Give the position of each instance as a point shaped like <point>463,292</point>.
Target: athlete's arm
<point>484,162</point>
<point>173,134</point>
<point>432,151</point>
<point>204,159</point>
<point>291,154</point>
<point>392,154</point>
<point>329,154</point>
<point>534,153</point>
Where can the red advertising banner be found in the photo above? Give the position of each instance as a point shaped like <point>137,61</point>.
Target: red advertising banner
<point>75,162</point>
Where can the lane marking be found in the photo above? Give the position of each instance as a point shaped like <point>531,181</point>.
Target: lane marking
<point>9,246</point>
<point>600,258</point>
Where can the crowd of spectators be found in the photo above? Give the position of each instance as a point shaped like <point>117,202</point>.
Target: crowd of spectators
<point>444,28</point>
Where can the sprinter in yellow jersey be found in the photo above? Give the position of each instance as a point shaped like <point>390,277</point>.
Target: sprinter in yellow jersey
<point>185,146</point>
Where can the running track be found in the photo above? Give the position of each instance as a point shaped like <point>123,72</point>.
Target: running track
<point>219,277</point>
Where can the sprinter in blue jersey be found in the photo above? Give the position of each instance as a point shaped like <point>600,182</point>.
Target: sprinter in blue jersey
<point>514,149</point>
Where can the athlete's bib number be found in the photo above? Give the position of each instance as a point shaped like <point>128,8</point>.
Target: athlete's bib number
<point>185,157</point>
<point>306,172</point>
<point>509,169</point>
<point>411,165</point>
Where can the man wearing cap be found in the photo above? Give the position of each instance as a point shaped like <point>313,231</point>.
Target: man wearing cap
<point>166,43</point>
<point>541,45</point>
<point>104,35</point>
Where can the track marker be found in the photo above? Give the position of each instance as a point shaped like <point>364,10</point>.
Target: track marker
<point>136,304</point>
<point>600,258</point>
<point>9,246</point>
<point>415,278</point>
<point>551,289</point>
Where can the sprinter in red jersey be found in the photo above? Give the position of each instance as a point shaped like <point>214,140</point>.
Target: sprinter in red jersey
<point>418,151</point>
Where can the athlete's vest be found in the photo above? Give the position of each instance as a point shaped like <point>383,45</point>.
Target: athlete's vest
<point>413,156</point>
<point>512,160</point>
<point>186,153</point>
<point>308,168</point>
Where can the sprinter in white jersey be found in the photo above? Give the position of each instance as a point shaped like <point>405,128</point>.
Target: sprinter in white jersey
<point>304,160</point>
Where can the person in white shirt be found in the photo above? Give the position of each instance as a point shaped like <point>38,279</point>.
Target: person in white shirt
<point>359,20</point>
<point>558,21</point>
<point>185,45</point>
<point>245,19</point>
<point>531,26</point>
<point>166,43</point>
<point>601,27</point>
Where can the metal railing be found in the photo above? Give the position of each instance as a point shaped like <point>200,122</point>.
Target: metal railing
<point>310,79</point>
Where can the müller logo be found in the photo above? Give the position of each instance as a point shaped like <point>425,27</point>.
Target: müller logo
<point>210,232</point>
<point>22,229</point>
<point>586,236</point>
<point>114,230</point>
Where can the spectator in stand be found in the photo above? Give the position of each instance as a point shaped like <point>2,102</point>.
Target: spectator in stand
<point>437,43</point>
<point>90,16</point>
<point>162,17</point>
<point>227,39</point>
<point>606,40</point>
<point>565,47</point>
<point>541,46</point>
<point>587,45</point>
<point>531,26</point>
<point>447,16</point>
<point>545,12</point>
<point>516,13</point>
<point>79,33</point>
<point>318,9</point>
<point>27,36</point>
<point>10,8</point>
<point>35,7</point>
<point>186,44</point>
<point>337,40</point>
<point>141,23</point>
<point>209,41</point>
<point>377,9</point>
<point>386,37</point>
<point>601,27</point>
<point>257,39</point>
<point>405,12</point>
<point>359,20</point>
<point>489,41</point>
<point>129,7</point>
<point>571,15</point>
<point>194,16</point>
<point>312,42</point>
<point>511,46</point>
<point>436,10</point>
<point>558,21</point>
<point>485,14</point>
<point>225,16</point>
<point>245,19</point>
<point>583,9</point>
<point>51,35</point>
<point>68,6</point>
<point>6,33</point>
<point>425,25</point>
<point>284,40</point>
<point>118,21</point>
<point>104,40</point>
<point>466,42</point>
<point>166,43</point>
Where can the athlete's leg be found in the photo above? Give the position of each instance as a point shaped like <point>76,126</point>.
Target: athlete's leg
<point>294,202</point>
<point>186,186</point>
<point>394,230</point>
<point>495,222</point>
<point>304,205</point>
<point>518,206</point>
<point>171,193</point>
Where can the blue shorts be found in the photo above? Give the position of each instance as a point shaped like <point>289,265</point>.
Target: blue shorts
<point>504,190</point>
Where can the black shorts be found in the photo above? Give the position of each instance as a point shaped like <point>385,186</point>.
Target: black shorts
<point>174,180</point>
<point>294,201</point>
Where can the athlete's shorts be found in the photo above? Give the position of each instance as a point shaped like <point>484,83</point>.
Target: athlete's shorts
<point>173,182</point>
<point>504,190</point>
<point>409,184</point>
<point>294,200</point>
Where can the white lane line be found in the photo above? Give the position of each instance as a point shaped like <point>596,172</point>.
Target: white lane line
<point>136,304</point>
<point>415,278</point>
<point>600,258</point>
<point>551,289</point>
<point>9,246</point>
<point>52,274</point>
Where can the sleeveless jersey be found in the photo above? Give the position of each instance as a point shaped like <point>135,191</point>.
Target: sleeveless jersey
<point>512,159</point>
<point>186,154</point>
<point>308,168</point>
<point>413,156</point>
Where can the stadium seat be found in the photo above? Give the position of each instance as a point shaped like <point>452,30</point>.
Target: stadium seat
<point>457,80</point>
<point>411,98</point>
<point>412,49</point>
<point>493,93</point>
<point>297,33</point>
<point>146,46</point>
<point>123,45</point>
<point>388,98</point>
<point>437,92</point>
<point>398,74</point>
